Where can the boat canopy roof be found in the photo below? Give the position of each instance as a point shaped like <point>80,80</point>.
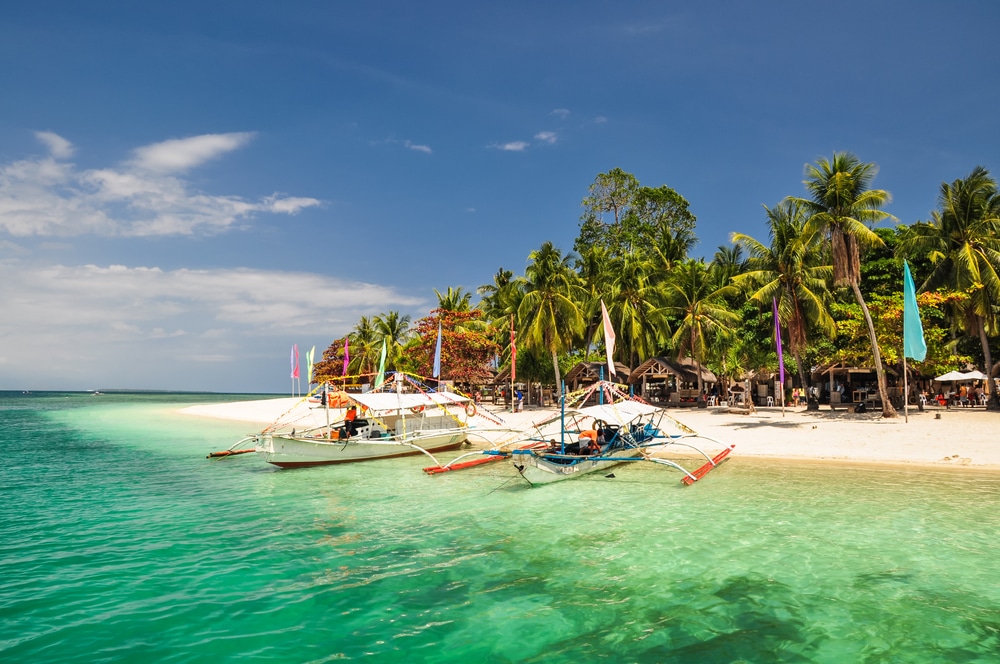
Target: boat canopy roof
<point>619,413</point>
<point>395,401</point>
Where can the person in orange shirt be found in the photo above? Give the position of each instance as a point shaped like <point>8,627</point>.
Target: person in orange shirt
<point>352,414</point>
<point>588,442</point>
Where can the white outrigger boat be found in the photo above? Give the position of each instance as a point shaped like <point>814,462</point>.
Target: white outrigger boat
<point>627,430</point>
<point>387,425</point>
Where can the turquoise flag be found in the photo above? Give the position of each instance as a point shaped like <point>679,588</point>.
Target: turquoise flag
<point>914,345</point>
<point>380,378</point>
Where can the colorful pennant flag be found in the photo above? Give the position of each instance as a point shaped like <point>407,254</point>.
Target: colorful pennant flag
<point>777,337</point>
<point>309,364</point>
<point>513,352</point>
<point>914,345</point>
<point>437,355</point>
<point>609,340</point>
<point>380,378</point>
<point>295,361</point>
<point>347,355</point>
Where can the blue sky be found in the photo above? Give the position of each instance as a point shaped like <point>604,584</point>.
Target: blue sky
<point>189,188</point>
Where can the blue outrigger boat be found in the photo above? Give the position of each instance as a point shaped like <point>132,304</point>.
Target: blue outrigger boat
<point>580,441</point>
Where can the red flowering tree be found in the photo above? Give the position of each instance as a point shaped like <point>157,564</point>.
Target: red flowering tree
<point>331,367</point>
<point>466,348</point>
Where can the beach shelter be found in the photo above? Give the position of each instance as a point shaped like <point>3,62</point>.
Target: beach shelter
<point>975,374</point>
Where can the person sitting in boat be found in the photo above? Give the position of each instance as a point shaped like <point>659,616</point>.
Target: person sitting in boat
<point>352,414</point>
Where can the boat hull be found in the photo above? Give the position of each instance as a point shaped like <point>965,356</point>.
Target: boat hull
<point>288,452</point>
<point>540,470</point>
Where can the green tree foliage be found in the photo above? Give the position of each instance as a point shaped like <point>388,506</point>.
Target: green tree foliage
<point>962,244</point>
<point>624,217</point>
<point>840,206</point>
<point>793,270</point>
<point>697,301</point>
<point>548,316</point>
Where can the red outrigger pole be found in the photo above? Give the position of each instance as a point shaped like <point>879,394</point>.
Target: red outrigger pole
<point>704,470</point>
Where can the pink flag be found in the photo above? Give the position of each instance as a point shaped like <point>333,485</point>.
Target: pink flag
<point>347,355</point>
<point>295,361</point>
<point>609,340</point>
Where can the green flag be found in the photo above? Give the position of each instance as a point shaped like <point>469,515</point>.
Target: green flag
<point>914,345</point>
<point>309,365</point>
<point>380,378</point>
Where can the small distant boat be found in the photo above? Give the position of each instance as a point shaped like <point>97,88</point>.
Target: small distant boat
<point>624,430</point>
<point>387,425</point>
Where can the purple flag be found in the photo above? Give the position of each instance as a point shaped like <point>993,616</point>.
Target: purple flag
<point>777,337</point>
<point>347,355</point>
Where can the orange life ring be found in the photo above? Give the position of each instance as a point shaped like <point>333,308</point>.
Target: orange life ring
<point>470,409</point>
<point>417,409</point>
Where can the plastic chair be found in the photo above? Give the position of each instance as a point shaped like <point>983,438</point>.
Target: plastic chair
<point>711,401</point>
<point>770,401</point>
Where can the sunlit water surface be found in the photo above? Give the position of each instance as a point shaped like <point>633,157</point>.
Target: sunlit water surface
<point>121,542</point>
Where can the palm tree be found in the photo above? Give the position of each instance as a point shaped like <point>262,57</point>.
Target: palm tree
<point>636,305</point>
<point>962,243</point>
<point>791,270</point>
<point>694,297</point>
<point>454,299</point>
<point>593,268</point>
<point>840,207</point>
<point>499,303</point>
<point>395,329</point>
<point>365,346</point>
<point>549,316</point>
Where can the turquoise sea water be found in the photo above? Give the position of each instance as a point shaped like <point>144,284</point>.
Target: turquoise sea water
<point>120,542</point>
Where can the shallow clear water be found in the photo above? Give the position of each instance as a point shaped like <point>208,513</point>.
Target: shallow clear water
<point>120,542</point>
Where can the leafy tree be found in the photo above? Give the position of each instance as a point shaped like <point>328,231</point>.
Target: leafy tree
<point>840,206</point>
<point>623,217</point>
<point>549,317</point>
<point>465,352</point>
<point>962,243</point>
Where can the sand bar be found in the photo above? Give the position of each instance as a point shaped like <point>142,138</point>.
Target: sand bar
<point>959,437</point>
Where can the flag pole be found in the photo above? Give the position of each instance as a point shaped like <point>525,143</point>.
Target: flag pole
<point>906,387</point>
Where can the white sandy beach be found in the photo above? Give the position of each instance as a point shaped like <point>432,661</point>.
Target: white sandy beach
<point>960,437</point>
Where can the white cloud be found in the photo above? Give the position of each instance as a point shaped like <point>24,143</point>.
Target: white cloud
<point>58,146</point>
<point>181,154</point>
<point>75,327</point>
<point>42,196</point>
<point>513,146</point>
<point>292,205</point>
<point>546,137</point>
<point>470,209</point>
<point>418,148</point>
<point>562,113</point>
<point>600,119</point>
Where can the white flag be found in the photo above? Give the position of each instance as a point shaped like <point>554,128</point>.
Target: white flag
<point>609,340</point>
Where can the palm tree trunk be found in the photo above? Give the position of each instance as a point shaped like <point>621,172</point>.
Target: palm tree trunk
<point>993,403</point>
<point>802,372</point>
<point>555,365</point>
<point>888,410</point>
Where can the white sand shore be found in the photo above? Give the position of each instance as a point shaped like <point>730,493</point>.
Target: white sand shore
<point>961,437</point>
